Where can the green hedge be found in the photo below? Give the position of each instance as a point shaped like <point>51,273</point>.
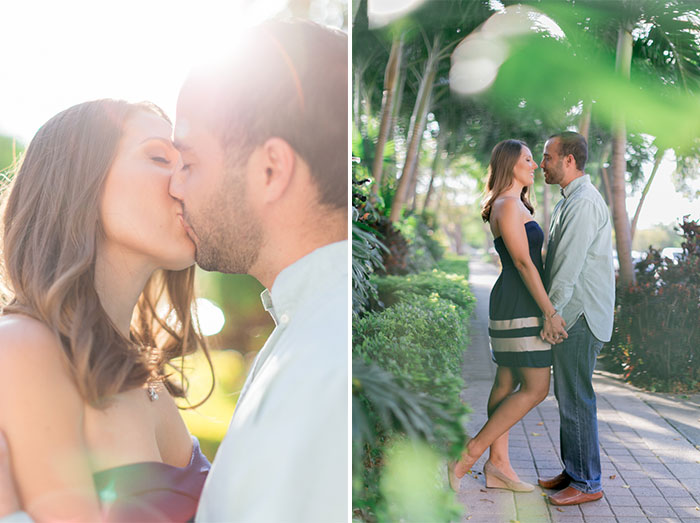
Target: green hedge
<point>407,378</point>
<point>420,340</point>
<point>450,286</point>
<point>453,264</point>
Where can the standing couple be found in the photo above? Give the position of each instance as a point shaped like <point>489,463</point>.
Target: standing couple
<point>558,315</point>
<point>104,219</point>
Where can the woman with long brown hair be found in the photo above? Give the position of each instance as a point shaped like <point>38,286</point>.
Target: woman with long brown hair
<point>99,281</point>
<point>517,305</point>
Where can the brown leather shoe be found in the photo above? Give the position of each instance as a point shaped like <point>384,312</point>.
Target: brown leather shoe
<point>557,482</point>
<point>572,496</point>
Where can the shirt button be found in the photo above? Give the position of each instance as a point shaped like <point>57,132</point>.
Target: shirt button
<point>284,319</point>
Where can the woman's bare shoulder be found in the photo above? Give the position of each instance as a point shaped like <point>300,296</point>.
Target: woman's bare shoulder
<point>42,414</point>
<point>25,338</point>
<point>506,203</point>
<point>504,207</point>
<point>30,356</point>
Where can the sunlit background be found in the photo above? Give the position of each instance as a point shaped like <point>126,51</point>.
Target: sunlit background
<point>57,54</point>
<point>498,62</point>
<point>480,55</point>
<point>436,85</point>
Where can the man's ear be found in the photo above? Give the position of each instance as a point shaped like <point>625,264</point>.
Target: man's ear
<point>278,163</point>
<point>570,160</point>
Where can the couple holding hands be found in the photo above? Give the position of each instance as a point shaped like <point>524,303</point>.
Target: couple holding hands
<point>540,316</point>
<point>105,217</point>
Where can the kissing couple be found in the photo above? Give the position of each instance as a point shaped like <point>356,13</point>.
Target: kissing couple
<point>104,219</point>
<point>541,315</point>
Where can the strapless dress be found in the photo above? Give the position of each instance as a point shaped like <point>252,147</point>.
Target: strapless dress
<point>153,491</point>
<point>515,320</point>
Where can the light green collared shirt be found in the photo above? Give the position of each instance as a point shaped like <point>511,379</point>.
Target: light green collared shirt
<point>579,274</point>
<point>284,456</point>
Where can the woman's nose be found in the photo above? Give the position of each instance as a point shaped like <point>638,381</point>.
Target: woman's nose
<point>177,180</point>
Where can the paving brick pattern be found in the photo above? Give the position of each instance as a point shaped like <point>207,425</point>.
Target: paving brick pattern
<point>650,471</point>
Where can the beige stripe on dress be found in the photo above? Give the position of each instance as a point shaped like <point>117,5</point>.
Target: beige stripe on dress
<point>517,323</point>
<point>528,343</point>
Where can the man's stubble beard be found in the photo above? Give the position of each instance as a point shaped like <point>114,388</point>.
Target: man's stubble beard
<point>229,234</point>
<point>554,176</point>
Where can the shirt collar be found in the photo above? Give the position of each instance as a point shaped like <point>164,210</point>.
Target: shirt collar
<point>575,184</point>
<point>304,279</point>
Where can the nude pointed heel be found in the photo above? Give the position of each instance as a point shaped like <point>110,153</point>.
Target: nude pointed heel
<point>452,477</point>
<point>496,479</point>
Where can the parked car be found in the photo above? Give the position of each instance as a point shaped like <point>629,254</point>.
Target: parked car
<point>673,253</point>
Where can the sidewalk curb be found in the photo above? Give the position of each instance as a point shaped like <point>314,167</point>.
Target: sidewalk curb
<point>682,414</point>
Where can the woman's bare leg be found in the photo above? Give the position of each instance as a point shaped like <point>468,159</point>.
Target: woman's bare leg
<point>533,390</point>
<point>505,383</point>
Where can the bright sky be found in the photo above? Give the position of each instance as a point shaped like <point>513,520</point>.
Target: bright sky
<point>663,204</point>
<point>59,53</point>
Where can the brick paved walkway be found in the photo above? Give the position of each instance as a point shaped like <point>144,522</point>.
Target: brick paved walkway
<point>651,472</point>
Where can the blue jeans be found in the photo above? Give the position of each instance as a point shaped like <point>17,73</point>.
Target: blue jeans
<point>574,360</point>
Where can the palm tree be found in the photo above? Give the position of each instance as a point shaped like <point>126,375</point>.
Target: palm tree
<point>428,38</point>
<point>391,84</point>
<point>666,39</point>
<point>623,238</point>
<point>656,76</point>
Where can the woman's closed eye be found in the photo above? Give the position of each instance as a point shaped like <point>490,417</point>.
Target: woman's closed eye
<point>160,159</point>
<point>183,167</point>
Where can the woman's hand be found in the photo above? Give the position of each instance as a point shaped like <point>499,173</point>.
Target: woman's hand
<point>554,330</point>
<point>9,501</point>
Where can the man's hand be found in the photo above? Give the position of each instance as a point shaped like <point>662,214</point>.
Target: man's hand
<point>9,501</point>
<point>554,330</point>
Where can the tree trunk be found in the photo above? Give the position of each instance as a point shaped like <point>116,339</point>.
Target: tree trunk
<point>604,175</point>
<point>546,212</point>
<point>441,198</point>
<point>657,162</point>
<point>400,87</point>
<point>621,221</point>
<point>356,9</point>
<point>429,193</point>
<point>390,83</point>
<point>488,243</point>
<point>418,118</point>
<point>413,179</point>
<point>458,238</point>
<point>436,167</point>
<point>413,193</point>
<point>585,121</point>
<point>606,183</point>
<point>357,80</point>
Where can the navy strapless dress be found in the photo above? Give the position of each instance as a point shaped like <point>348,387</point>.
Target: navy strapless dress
<point>515,320</point>
<point>153,491</point>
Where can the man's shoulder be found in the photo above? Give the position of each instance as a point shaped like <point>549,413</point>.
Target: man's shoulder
<point>321,324</point>
<point>588,191</point>
<point>587,197</point>
<point>328,306</point>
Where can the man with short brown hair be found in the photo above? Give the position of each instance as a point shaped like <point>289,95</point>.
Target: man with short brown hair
<point>580,280</point>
